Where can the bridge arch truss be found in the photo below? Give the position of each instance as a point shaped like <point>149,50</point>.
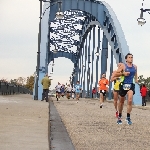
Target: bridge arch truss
<point>99,20</point>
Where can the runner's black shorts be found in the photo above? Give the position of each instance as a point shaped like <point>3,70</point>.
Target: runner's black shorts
<point>123,92</point>
<point>58,92</point>
<point>116,91</point>
<point>103,92</point>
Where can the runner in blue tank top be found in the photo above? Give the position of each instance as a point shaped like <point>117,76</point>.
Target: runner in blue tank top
<point>127,86</point>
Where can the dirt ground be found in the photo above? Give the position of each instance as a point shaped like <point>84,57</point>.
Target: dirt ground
<point>92,128</point>
<point>23,123</point>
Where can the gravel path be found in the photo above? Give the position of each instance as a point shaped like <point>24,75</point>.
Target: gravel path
<point>92,128</point>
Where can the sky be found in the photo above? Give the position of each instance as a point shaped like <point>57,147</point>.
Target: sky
<point>19,22</point>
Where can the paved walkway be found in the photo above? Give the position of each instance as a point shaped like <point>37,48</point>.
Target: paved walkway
<point>92,128</point>
<point>23,123</point>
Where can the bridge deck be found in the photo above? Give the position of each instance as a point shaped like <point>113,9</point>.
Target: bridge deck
<point>24,125</point>
<point>92,128</point>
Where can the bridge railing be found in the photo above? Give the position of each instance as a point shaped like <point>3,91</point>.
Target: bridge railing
<point>11,88</point>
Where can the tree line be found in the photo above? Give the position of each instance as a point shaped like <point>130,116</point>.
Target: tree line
<point>29,81</point>
<point>142,80</point>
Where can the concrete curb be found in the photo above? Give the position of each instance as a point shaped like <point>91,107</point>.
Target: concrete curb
<point>59,137</point>
<point>49,125</point>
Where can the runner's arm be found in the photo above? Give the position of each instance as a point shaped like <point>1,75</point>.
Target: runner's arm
<point>107,82</point>
<point>115,75</point>
<point>121,68</point>
<point>120,71</point>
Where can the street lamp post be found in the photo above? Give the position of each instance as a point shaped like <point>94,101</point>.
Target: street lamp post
<point>55,50</point>
<point>70,80</point>
<point>141,20</point>
<point>88,79</point>
<point>59,14</point>
<point>98,52</point>
<point>38,54</point>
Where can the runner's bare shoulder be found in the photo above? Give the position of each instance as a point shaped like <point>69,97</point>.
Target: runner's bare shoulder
<point>121,67</point>
<point>119,64</point>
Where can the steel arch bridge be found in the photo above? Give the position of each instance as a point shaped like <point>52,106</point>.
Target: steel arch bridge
<point>97,21</point>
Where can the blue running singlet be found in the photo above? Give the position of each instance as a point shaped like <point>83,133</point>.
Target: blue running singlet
<point>62,90</point>
<point>130,78</point>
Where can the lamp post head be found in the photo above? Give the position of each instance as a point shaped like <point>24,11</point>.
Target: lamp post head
<point>97,53</point>
<point>59,15</point>
<point>141,21</point>
<point>55,50</point>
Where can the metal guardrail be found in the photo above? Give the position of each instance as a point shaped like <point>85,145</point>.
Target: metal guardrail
<point>9,89</point>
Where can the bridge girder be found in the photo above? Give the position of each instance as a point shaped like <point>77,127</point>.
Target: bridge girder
<point>100,14</point>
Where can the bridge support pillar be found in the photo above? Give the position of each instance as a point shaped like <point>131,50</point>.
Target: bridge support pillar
<point>34,90</point>
<point>137,100</point>
<point>84,68</point>
<point>104,55</point>
<point>88,71</point>
<point>80,53</point>
<point>111,70</point>
<point>92,61</point>
<point>76,66</point>
<point>97,60</point>
<point>40,87</point>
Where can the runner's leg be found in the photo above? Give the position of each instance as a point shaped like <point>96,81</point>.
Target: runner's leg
<point>101,100</point>
<point>129,106</point>
<point>115,102</point>
<point>122,94</point>
<point>142,100</point>
<point>145,100</point>
<point>58,95</point>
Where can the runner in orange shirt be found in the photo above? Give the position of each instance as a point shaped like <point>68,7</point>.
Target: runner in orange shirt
<point>103,88</point>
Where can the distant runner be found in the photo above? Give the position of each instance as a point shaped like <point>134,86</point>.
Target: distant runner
<point>116,94</point>
<point>117,81</point>
<point>69,90</point>
<point>58,90</point>
<point>78,89</point>
<point>103,88</point>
